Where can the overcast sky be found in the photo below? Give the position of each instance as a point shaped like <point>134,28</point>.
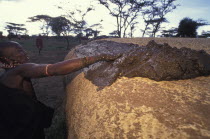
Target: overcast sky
<point>18,11</point>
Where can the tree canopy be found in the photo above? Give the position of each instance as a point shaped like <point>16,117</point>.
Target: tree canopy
<point>170,32</point>
<point>155,14</point>
<point>16,29</point>
<point>45,19</point>
<point>188,27</point>
<point>61,26</point>
<point>205,34</point>
<point>77,18</point>
<point>125,12</point>
<point>128,15</point>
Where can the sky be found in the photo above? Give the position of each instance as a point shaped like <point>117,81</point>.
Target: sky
<point>18,11</point>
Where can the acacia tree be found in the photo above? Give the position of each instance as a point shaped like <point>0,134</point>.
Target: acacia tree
<point>188,27</point>
<point>155,14</point>
<point>125,12</point>
<point>1,34</point>
<point>170,32</point>
<point>114,33</point>
<point>16,29</point>
<point>77,19</point>
<point>205,34</point>
<point>89,32</point>
<point>132,28</point>
<point>45,20</point>
<point>96,28</point>
<point>61,26</point>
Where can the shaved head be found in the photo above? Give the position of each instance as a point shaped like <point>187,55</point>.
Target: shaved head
<point>12,53</point>
<point>5,45</point>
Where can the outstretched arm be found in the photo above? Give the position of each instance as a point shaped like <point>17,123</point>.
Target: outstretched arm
<point>31,70</point>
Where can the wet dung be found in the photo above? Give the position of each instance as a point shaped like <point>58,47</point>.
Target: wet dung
<point>159,62</point>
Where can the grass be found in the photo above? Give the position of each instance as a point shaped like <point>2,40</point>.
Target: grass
<point>50,44</point>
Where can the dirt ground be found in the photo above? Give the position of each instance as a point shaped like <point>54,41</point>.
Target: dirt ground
<point>51,92</point>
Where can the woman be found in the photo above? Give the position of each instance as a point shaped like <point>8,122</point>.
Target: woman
<point>21,115</point>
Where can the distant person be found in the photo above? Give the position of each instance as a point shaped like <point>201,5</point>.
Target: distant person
<point>19,37</point>
<point>39,43</point>
<point>9,36</point>
<point>22,116</point>
<point>1,35</point>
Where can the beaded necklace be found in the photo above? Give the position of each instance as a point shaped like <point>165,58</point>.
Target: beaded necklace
<point>6,64</point>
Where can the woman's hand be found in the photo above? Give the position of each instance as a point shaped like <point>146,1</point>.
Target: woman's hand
<point>109,57</point>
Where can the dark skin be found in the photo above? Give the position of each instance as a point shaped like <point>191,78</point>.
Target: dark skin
<point>19,71</point>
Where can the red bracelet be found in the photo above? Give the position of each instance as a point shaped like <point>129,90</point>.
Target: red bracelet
<point>46,70</point>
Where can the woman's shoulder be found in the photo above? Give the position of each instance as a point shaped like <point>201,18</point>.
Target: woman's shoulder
<point>1,71</point>
<point>10,79</point>
<point>6,89</point>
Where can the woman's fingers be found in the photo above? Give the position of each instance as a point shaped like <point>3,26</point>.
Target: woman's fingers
<point>109,57</point>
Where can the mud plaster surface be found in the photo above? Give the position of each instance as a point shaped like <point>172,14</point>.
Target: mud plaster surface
<point>155,61</point>
<point>137,107</point>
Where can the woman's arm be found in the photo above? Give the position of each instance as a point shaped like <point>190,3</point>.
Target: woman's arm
<point>31,70</point>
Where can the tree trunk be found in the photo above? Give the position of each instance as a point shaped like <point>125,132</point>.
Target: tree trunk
<point>145,29</point>
<point>67,39</point>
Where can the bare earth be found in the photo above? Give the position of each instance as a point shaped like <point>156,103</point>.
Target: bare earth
<point>50,91</point>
